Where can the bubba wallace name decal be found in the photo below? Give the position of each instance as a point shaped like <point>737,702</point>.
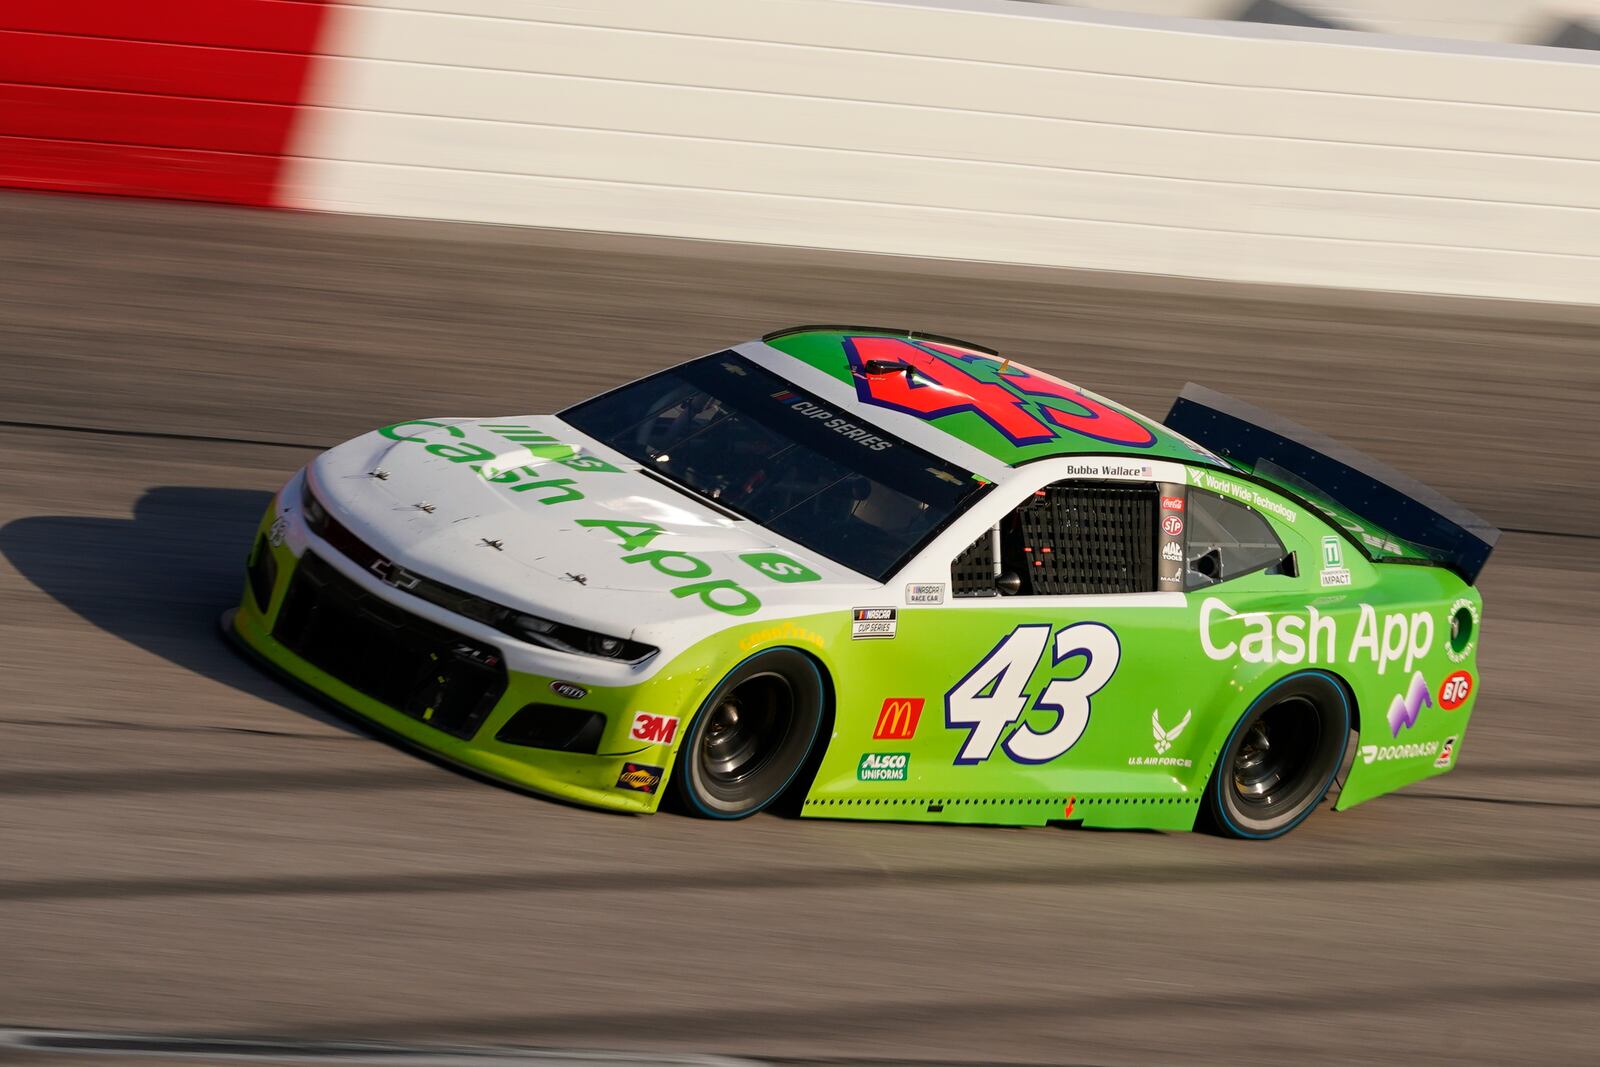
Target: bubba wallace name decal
<point>1394,637</point>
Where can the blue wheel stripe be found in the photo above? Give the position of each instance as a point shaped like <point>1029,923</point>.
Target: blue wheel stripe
<point>1222,809</point>
<point>699,722</point>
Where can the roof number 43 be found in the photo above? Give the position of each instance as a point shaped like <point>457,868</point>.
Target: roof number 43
<point>991,697</point>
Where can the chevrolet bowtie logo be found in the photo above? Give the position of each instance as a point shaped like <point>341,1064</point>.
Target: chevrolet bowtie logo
<point>390,574</point>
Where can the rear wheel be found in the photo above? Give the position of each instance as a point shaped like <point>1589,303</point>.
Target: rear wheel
<point>751,736</point>
<point>1281,758</point>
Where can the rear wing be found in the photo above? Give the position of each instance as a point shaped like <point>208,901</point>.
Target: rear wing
<point>1338,481</point>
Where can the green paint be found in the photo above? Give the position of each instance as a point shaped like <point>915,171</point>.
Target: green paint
<point>824,350</point>
<point>1192,669</point>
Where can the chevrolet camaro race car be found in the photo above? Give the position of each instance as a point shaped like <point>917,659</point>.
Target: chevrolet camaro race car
<point>887,575</point>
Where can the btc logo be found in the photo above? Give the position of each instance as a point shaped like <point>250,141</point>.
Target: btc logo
<point>1455,690</point>
<point>898,718</point>
<point>657,729</point>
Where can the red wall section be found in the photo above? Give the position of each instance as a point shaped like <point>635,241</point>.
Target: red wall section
<point>190,99</point>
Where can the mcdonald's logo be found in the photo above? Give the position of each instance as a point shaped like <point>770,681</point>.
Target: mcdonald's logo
<point>897,721</point>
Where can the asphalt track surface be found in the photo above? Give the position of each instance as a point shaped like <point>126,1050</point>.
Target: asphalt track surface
<point>188,848</point>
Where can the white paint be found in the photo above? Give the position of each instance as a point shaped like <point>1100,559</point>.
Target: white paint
<point>972,129</point>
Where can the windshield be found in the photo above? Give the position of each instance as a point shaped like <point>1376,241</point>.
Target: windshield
<point>749,440</point>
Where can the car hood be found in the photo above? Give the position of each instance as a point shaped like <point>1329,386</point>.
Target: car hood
<point>531,513</point>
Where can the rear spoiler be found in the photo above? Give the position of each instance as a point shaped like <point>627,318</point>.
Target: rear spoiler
<point>1324,472</point>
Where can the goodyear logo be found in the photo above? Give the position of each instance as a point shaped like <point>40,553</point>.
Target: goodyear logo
<point>883,767</point>
<point>639,777</point>
<point>898,718</point>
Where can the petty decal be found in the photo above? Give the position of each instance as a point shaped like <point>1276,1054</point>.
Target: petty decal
<point>932,380</point>
<point>640,778</point>
<point>898,718</point>
<point>993,694</point>
<point>1454,691</point>
<point>655,729</point>
<point>1446,753</point>
<point>517,470</point>
<point>723,594</point>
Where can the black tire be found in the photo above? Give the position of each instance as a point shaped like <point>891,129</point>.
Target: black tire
<point>751,736</point>
<point>1281,758</point>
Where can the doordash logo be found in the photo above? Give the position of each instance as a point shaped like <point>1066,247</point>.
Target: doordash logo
<point>897,720</point>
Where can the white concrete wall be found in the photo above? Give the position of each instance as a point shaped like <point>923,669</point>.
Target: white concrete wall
<point>1507,21</point>
<point>971,129</point>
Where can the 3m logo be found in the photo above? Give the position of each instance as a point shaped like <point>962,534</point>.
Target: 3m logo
<point>897,721</point>
<point>656,729</point>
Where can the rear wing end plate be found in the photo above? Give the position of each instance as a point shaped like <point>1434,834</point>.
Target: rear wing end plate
<point>1324,472</point>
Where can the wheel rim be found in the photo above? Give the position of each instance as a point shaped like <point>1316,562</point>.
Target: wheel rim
<point>1278,749</point>
<point>745,729</point>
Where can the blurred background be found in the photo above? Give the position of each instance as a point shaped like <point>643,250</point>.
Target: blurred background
<point>233,232</point>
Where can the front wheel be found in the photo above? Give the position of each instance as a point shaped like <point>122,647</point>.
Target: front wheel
<point>1281,758</point>
<point>751,736</point>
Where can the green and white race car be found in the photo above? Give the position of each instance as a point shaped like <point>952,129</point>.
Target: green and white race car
<point>886,575</point>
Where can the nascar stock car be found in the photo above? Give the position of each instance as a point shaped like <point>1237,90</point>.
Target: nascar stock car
<point>886,575</point>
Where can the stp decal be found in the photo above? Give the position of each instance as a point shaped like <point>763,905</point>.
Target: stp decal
<point>932,380</point>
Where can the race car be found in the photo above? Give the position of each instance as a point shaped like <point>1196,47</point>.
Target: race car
<point>883,574</point>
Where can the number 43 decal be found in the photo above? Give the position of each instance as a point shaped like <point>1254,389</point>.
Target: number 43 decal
<point>991,696</point>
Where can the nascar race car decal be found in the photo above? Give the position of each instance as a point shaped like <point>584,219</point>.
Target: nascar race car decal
<point>886,576</point>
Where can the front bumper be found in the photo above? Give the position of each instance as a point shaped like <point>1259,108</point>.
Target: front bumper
<point>443,684</point>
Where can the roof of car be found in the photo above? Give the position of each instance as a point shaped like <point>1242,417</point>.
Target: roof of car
<point>1011,412</point>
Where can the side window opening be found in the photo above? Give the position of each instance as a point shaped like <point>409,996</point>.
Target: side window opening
<point>1227,540</point>
<point>1069,538</point>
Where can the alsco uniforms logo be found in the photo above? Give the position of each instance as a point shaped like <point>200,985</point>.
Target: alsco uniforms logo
<point>898,718</point>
